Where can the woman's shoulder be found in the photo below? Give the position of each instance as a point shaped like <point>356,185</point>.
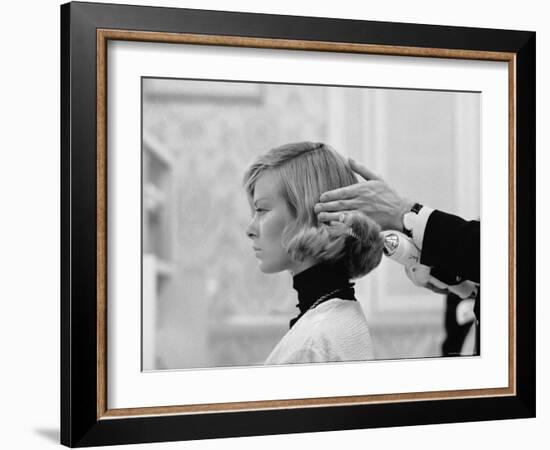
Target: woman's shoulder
<point>336,317</point>
<point>335,330</point>
<point>340,330</point>
<point>338,307</point>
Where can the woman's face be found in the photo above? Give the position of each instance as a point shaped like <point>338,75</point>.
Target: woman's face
<point>270,216</point>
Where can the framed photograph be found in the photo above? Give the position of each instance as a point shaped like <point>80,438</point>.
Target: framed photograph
<point>249,209</point>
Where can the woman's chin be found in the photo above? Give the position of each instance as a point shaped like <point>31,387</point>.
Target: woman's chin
<point>264,269</point>
<point>267,268</point>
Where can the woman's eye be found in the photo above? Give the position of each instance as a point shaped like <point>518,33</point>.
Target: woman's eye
<point>260,211</point>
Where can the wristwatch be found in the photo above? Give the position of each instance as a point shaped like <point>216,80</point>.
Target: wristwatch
<point>409,219</point>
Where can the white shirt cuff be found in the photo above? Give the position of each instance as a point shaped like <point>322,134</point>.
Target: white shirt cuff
<point>419,223</point>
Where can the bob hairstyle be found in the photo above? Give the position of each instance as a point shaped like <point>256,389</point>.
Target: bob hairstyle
<point>305,170</point>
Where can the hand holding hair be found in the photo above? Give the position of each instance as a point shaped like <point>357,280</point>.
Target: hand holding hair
<point>372,197</point>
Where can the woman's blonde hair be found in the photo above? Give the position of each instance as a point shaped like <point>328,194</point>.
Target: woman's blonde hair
<point>306,170</point>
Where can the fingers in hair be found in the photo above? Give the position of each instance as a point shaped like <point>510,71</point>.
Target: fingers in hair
<point>336,206</point>
<point>343,193</point>
<point>329,217</point>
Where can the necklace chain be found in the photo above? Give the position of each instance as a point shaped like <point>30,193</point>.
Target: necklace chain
<point>325,297</point>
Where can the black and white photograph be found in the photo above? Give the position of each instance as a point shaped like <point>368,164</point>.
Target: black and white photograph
<point>289,224</point>
<point>278,224</point>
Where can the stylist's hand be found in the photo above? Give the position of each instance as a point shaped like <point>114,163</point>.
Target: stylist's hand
<point>372,197</point>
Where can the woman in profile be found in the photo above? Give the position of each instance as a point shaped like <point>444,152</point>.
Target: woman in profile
<point>283,186</point>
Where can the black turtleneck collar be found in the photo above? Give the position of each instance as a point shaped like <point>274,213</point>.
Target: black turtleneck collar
<point>320,280</point>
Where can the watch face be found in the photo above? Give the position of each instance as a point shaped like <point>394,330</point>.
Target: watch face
<point>416,208</point>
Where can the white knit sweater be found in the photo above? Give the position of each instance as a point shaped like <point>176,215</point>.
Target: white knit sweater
<point>336,330</point>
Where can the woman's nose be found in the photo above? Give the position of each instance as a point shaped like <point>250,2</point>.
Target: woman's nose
<point>251,230</point>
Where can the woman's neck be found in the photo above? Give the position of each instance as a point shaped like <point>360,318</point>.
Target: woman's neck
<point>321,281</point>
<point>301,266</point>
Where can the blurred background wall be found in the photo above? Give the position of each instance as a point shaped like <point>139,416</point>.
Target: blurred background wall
<point>205,302</point>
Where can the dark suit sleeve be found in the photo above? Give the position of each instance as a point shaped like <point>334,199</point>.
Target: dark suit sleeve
<point>451,248</point>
